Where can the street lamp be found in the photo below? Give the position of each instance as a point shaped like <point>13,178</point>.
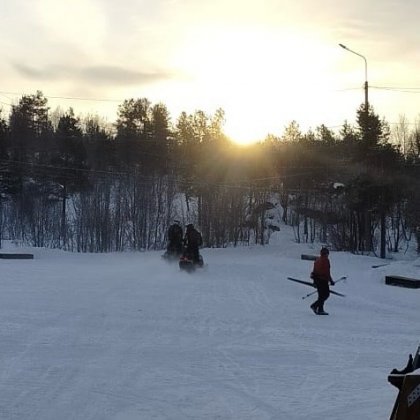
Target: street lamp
<point>366,80</point>
<point>383,226</point>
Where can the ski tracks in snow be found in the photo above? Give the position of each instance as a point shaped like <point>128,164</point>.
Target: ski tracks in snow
<point>242,368</point>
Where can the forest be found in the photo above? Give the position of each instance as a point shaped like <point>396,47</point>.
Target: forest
<point>80,184</point>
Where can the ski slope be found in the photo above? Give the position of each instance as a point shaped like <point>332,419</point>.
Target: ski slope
<point>129,336</point>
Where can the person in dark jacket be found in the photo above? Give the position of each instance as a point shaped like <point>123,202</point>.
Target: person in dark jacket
<point>175,234</point>
<point>192,241</point>
<point>321,276</point>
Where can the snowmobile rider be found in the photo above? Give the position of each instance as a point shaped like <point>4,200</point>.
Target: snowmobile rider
<point>175,234</point>
<point>322,279</point>
<point>192,241</point>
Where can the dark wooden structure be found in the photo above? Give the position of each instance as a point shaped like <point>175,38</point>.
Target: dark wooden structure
<point>407,403</point>
<point>402,281</point>
<point>10,256</point>
<point>308,257</point>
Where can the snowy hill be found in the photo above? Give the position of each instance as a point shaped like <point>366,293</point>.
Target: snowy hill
<point>129,336</point>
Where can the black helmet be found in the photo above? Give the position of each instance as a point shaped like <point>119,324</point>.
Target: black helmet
<point>190,226</point>
<point>324,251</point>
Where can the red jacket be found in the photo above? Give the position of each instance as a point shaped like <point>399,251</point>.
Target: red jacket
<point>322,268</point>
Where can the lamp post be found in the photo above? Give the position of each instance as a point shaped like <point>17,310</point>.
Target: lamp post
<point>366,79</point>
<point>383,225</point>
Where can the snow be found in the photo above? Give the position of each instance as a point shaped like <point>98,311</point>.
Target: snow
<point>130,336</point>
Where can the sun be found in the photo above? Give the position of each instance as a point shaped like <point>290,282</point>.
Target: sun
<point>263,78</point>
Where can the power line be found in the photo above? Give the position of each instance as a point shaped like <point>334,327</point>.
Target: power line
<point>239,185</point>
<point>71,98</point>
<point>397,89</point>
<point>332,127</point>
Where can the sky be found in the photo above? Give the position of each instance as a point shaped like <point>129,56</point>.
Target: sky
<point>124,336</point>
<point>265,63</point>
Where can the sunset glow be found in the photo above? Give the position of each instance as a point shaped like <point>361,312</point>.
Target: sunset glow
<point>264,65</point>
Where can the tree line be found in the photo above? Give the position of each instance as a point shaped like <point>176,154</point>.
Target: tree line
<point>76,183</point>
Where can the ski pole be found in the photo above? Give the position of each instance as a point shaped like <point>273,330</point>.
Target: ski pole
<point>309,294</point>
<point>341,279</point>
<point>312,293</point>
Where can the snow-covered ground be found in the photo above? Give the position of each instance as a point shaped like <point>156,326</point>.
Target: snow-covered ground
<point>129,336</point>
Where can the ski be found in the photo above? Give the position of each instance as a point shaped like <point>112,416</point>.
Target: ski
<point>308,283</point>
<point>315,291</point>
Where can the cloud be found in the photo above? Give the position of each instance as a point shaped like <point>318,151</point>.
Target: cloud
<point>33,73</point>
<point>121,76</point>
<point>102,74</point>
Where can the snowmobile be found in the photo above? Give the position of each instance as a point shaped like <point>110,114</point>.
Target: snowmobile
<point>187,263</point>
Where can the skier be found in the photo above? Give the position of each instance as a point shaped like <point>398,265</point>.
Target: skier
<point>322,279</point>
<point>192,241</point>
<point>175,233</point>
